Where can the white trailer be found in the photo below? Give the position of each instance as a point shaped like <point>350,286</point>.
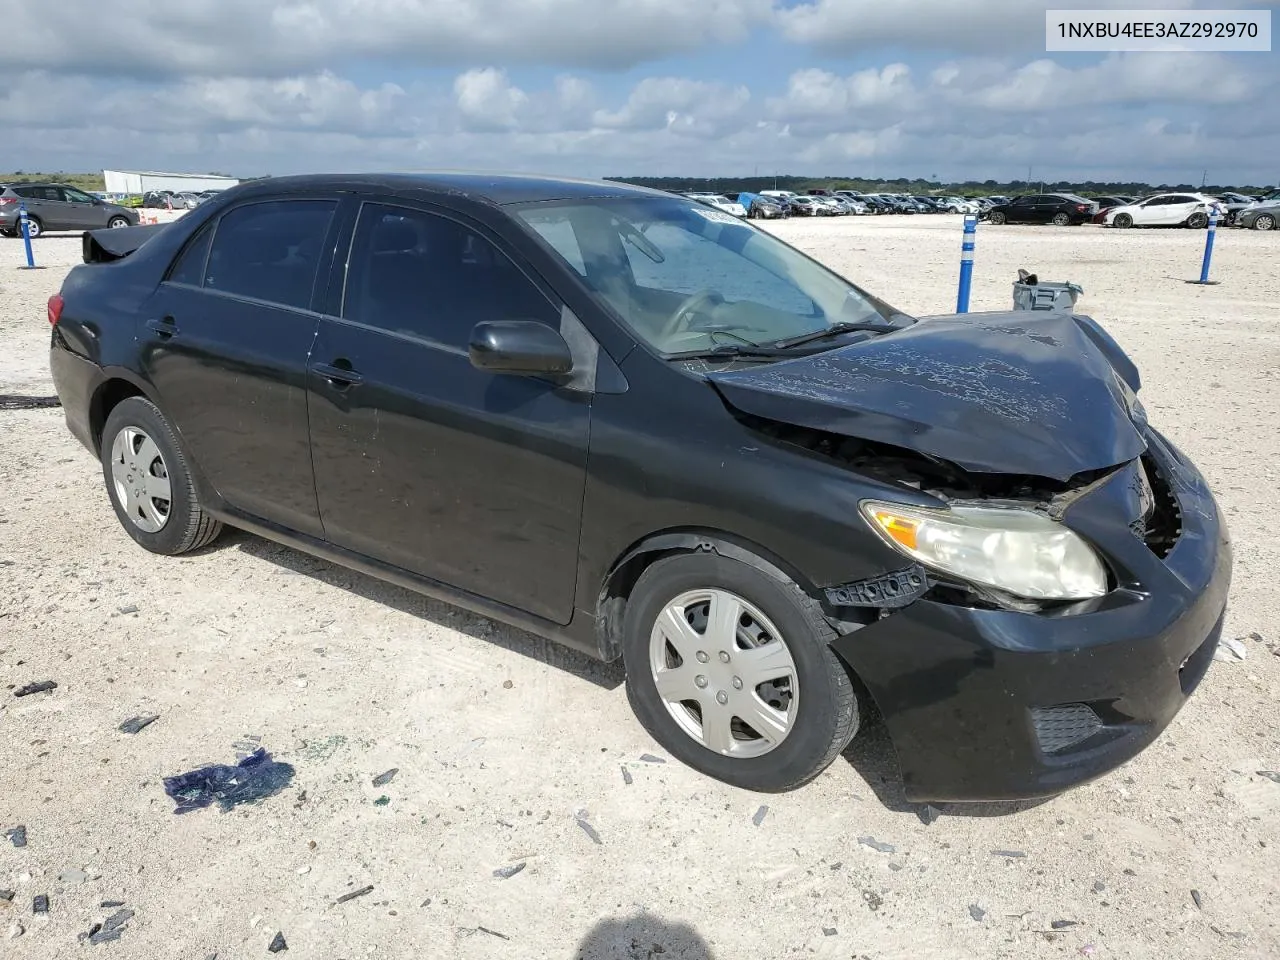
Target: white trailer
<point>141,181</point>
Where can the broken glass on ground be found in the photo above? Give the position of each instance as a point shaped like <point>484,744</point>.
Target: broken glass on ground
<point>134,724</point>
<point>254,778</point>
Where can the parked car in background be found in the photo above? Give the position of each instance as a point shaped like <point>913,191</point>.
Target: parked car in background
<point>1107,203</point>
<point>1164,210</point>
<point>760,207</point>
<point>56,206</point>
<point>808,207</point>
<point>585,410</point>
<point>1060,209</point>
<point>720,202</point>
<point>1260,216</point>
<point>961,205</point>
<point>1233,204</point>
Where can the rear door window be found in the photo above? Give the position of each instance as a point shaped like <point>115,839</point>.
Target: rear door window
<point>270,251</point>
<point>189,267</point>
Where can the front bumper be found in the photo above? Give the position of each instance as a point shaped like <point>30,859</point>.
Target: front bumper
<point>986,705</point>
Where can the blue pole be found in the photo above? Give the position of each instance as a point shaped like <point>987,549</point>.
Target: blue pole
<point>26,235</point>
<point>1208,244</point>
<point>966,263</point>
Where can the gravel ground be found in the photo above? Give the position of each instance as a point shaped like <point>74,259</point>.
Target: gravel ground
<point>511,751</point>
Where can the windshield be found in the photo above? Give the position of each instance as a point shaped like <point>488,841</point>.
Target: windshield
<point>687,278</point>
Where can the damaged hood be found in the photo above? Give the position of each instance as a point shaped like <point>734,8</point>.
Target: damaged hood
<point>1022,392</point>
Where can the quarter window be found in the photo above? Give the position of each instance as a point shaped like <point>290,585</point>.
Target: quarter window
<point>270,251</point>
<point>189,267</point>
<point>426,276</point>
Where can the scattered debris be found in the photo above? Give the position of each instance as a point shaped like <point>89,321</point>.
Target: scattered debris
<point>1198,899</point>
<point>626,776</point>
<point>13,401</point>
<point>363,891</point>
<point>1230,650</point>
<point>382,779</point>
<point>1271,775</point>
<point>873,900</point>
<point>507,684</point>
<point>895,867</point>
<point>40,904</point>
<point>1088,950</point>
<point>492,933</point>
<point>131,608</point>
<point>111,928</point>
<point>16,930</point>
<point>976,912</point>
<point>41,686</point>
<point>382,801</point>
<point>303,871</point>
<point>1099,886</point>
<point>1064,924</point>
<point>876,845</point>
<point>1008,854</point>
<point>7,895</point>
<point>277,943</point>
<point>108,904</point>
<point>759,816</point>
<point>928,814</point>
<point>829,931</point>
<point>17,835</point>
<point>506,873</point>
<point>134,724</point>
<point>318,750</point>
<point>254,778</point>
<point>73,875</point>
<point>589,830</point>
<point>650,758</point>
<point>1233,934</point>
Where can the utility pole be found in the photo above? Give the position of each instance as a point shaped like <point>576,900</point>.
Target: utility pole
<point>1204,179</point>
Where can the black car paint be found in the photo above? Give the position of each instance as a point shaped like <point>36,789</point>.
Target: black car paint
<point>1035,208</point>
<point>645,457</point>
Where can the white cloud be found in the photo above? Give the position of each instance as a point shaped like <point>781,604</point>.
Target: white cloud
<point>281,37</point>
<point>487,100</point>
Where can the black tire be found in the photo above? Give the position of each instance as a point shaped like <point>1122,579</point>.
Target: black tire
<point>8,233</point>
<point>115,223</point>
<point>1264,221</point>
<point>1198,221</point>
<point>1061,220</point>
<point>827,715</point>
<point>188,526</point>
<point>998,218</point>
<point>1123,221</point>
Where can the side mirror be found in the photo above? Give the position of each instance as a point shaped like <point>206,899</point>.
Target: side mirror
<point>521,347</point>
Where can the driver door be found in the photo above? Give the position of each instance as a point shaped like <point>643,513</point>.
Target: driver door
<point>467,477</point>
<point>83,212</point>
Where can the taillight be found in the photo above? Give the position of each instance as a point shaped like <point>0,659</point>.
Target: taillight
<point>55,309</point>
<point>5,201</point>
<point>1081,207</point>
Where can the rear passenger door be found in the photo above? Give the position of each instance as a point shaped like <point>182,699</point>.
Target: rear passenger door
<point>225,340</point>
<point>45,203</point>
<point>466,477</point>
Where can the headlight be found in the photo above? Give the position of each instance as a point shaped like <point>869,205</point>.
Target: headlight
<point>1017,551</point>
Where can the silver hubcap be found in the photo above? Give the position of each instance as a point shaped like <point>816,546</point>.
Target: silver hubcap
<point>33,228</point>
<point>141,479</point>
<point>724,673</point>
<point>1264,223</point>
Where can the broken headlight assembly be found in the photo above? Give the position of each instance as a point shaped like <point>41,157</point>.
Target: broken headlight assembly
<point>1019,552</point>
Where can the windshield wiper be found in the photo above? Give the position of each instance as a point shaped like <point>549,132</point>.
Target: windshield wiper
<point>835,330</point>
<point>732,351</point>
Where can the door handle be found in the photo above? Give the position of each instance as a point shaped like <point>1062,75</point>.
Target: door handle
<point>340,377</point>
<point>164,326</point>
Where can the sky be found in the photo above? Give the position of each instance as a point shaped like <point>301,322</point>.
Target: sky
<point>957,89</point>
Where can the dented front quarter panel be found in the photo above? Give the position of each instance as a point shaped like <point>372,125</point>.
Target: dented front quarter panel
<point>1016,393</point>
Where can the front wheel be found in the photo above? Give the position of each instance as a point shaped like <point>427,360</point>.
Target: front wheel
<point>1265,222</point>
<point>1060,220</point>
<point>730,669</point>
<point>999,219</point>
<point>1198,221</point>
<point>115,223</point>
<point>1123,221</point>
<point>149,482</point>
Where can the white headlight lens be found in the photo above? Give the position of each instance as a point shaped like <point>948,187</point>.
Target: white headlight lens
<point>1017,551</point>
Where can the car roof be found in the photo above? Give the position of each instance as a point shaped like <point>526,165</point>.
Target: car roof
<point>495,188</point>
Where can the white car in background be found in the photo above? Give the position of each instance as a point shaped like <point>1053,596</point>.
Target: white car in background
<point>1166,210</point>
<point>720,203</point>
<point>961,205</point>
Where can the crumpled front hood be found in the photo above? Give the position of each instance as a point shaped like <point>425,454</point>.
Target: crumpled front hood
<point>1021,393</point>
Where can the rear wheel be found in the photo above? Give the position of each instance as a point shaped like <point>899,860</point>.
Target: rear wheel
<point>149,483</point>
<point>1264,222</point>
<point>730,669</point>
<point>1122,220</point>
<point>34,227</point>
<point>1198,221</point>
<point>998,218</point>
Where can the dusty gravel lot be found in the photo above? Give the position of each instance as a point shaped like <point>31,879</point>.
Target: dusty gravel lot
<point>504,742</point>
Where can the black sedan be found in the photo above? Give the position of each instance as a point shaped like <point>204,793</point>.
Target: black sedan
<point>1060,209</point>
<point>637,425</point>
